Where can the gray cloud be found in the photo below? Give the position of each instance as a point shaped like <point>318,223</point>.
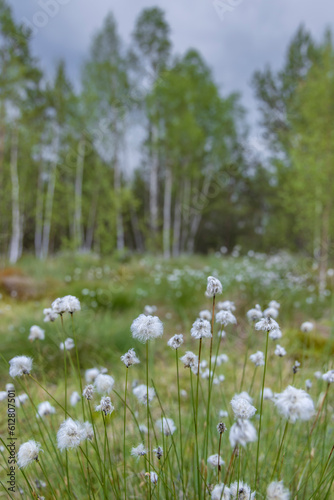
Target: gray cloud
<point>254,33</point>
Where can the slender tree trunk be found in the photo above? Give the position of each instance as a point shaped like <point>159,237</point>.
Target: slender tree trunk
<point>49,202</point>
<point>185,209</point>
<point>139,243</point>
<point>153,187</point>
<point>167,212</point>
<point>21,235</point>
<point>16,226</point>
<point>118,204</point>
<point>199,200</point>
<point>77,223</point>
<point>39,213</point>
<point>177,227</point>
<point>91,223</point>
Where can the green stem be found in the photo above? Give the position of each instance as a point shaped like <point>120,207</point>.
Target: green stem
<point>148,417</point>
<point>261,408</point>
<point>180,421</point>
<point>279,450</point>
<point>124,432</point>
<point>196,422</point>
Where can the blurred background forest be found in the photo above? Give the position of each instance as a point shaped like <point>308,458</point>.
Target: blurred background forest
<point>199,186</point>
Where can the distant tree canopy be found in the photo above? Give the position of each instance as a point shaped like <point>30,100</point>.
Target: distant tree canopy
<point>64,177</point>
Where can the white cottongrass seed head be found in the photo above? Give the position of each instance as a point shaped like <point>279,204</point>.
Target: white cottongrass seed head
<point>140,391</point>
<point>28,452</point>
<point>104,383</point>
<point>241,491</point>
<point>130,358</point>
<point>139,451</point>
<point>91,374</point>
<point>267,393</point>
<point>190,360</point>
<point>294,404</point>
<point>277,491</point>
<point>70,434</point>
<point>275,334</point>
<point>242,408</point>
<point>266,324</point>
<point>214,287</point>
<point>176,341</point>
<point>254,314</point>
<point>225,318</point>
<point>257,358</point>
<point>274,304</point>
<point>159,452</point>
<point>201,329</point>
<point>242,432</point>
<point>146,328</point>
<point>227,305</point>
<point>153,477</point>
<point>75,398</point>
<point>21,399</point>
<point>215,460</point>
<point>36,333</point>
<point>217,492</point>
<point>205,314</point>
<point>49,315</point>
<point>88,431</point>
<point>88,392</point>
<point>280,351</point>
<point>271,311</point>
<point>68,344</point>
<point>105,406</point>
<point>166,426</point>
<point>44,409</point>
<point>328,377</point>
<point>20,365</point>
<point>72,304</point>
<point>306,327</point>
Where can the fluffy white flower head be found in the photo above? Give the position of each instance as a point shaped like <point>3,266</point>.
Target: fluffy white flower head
<point>241,491</point>
<point>146,328</point>
<point>75,398</point>
<point>104,384</point>
<point>270,311</point>
<point>254,314</point>
<point>307,327</point>
<point>72,304</point>
<point>20,365</point>
<point>49,315</point>
<point>242,432</point>
<point>139,451</point>
<point>227,305</point>
<point>266,324</point>
<point>201,329</point>
<point>176,341</point>
<point>36,333</point>
<point>294,404</point>
<point>225,318</point>
<point>280,351</point>
<point>130,358</point>
<point>242,409</point>
<point>141,393</point>
<point>91,374</point>
<point>257,358</point>
<point>68,344</point>
<point>275,334</point>
<point>328,377</point>
<point>190,360</point>
<point>276,491</point>
<point>214,287</point>
<point>217,492</point>
<point>166,426</point>
<point>70,434</point>
<point>44,409</point>
<point>105,406</point>
<point>215,460</point>
<point>28,452</point>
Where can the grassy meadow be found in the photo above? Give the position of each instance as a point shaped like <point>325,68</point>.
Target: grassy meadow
<point>113,292</point>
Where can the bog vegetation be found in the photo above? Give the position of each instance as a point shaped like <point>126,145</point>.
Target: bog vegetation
<point>122,392</point>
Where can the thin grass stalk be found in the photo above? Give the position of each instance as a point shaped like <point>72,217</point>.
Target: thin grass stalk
<point>209,382</point>
<point>148,417</point>
<point>179,412</point>
<point>319,411</point>
<point>47,479</point>
<point>261,409</point>
<point>124,432</point>
<point>219,466</point>
<point>196,422</point>
<point>279,450</point>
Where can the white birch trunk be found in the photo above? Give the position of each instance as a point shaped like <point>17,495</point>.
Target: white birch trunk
<point>16,226</point>
<point>117,194</point>
<point>177,228</point>
<point>39,214</point>
<point>167,212</point>
<point>77,223</point>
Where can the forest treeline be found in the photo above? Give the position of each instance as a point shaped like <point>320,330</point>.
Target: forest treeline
<point>198,185</point>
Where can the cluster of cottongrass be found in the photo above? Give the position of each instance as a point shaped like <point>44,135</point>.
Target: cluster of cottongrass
<point>183,430</point>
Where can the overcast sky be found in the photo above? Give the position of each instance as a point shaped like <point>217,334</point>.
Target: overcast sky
<point>249,35</point>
